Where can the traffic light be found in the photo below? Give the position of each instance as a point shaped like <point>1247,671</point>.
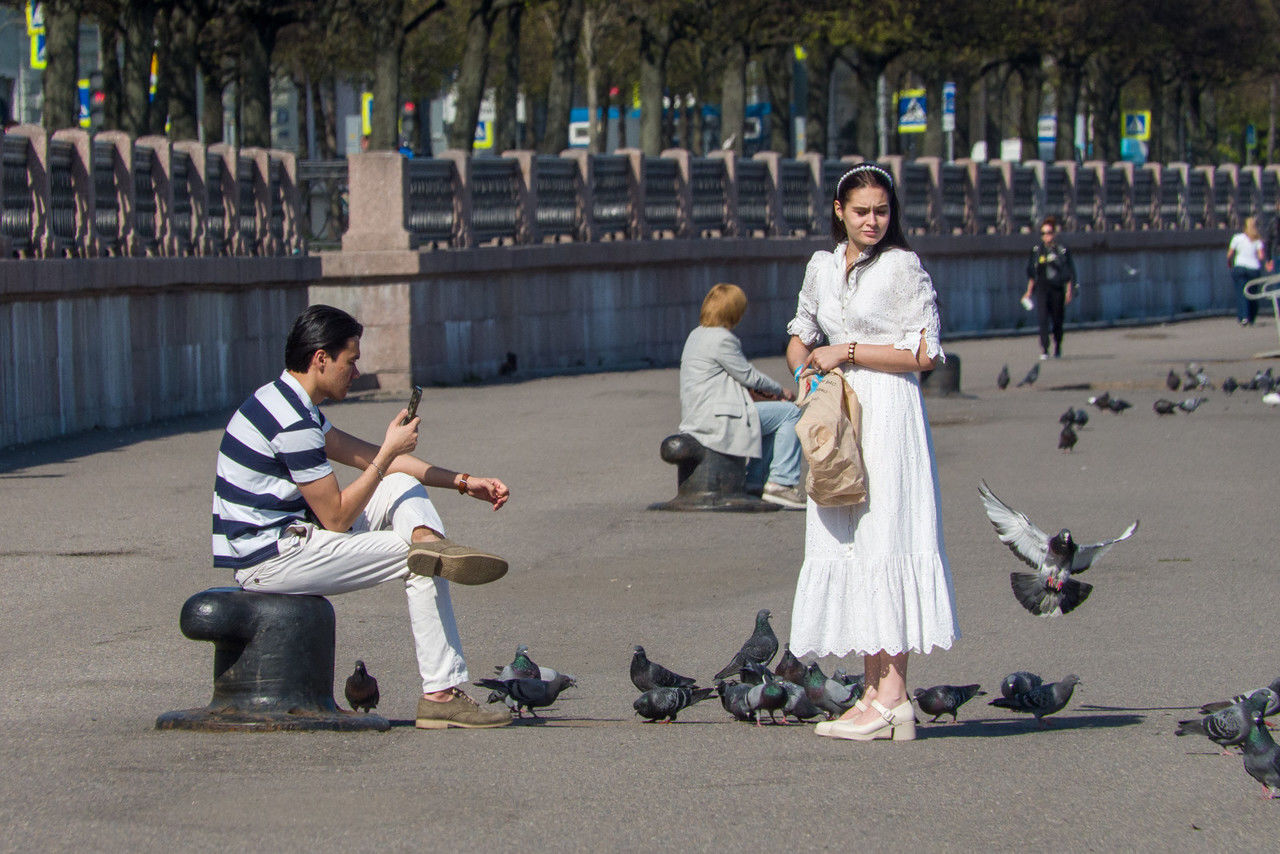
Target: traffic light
<point>408,123</point>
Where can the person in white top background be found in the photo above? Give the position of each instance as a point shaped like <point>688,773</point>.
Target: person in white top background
<point>875,579</point>
<point>1245,254</point>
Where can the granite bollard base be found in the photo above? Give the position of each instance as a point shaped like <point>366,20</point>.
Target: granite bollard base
<point>272,664</point>
<point>707,479</point>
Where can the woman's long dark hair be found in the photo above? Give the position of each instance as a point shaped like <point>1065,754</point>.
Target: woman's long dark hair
<point>869,175</point>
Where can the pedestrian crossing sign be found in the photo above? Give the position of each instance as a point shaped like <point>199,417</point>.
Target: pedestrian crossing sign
<point>912,112</point>
<point>1137,125</point>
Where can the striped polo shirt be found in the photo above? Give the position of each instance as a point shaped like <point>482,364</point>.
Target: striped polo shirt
<point>274,442</point>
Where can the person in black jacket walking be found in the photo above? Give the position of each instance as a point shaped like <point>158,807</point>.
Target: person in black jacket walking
<point>1051,276</point>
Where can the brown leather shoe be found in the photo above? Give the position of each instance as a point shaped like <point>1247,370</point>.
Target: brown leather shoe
<point>453,562</point>
<point>460,711</point>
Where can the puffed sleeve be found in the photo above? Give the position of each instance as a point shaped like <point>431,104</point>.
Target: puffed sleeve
<point>805,324</point>
<point>919,302</point>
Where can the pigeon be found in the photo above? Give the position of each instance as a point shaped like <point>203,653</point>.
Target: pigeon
<point>1067,438</point>
<point>1031,377</point>
<point>527,693</point>
<point>798,705</point>
<point>945,699</point>
<point>664,703</point>
<point>1172,381</point>
<point>761,647</point>
<point>1050,591</point>
<point>362,690</point>
<point>1228,726</point>
<point>1019,682</point>
<point>1102,401</point>
<point>858,680</point>
<point>1002,378</point>
<point>1262,757</point>
<point>766,698</point>
<point>1079,417</point>
<point>1191,404</point>
<point>1164,407</point>
<point>647,675</point>
<point>1196,377</point>
<point>733,696</point>
<point>790,668</point>
<point>1117,405</point>
<point>1229,385</point>
<point>1272,706</point>
<point>830,695</point>
<point>521,667</point>
<point>1042,700</point>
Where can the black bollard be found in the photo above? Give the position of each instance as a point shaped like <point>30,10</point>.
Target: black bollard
<point>272,664</point>
<point>707,479</point>
<point>942,381</point>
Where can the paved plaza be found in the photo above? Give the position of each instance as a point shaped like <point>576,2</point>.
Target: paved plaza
<point>105,535</point>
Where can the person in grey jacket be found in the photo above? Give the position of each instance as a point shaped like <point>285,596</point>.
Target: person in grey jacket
<point>730,407</point>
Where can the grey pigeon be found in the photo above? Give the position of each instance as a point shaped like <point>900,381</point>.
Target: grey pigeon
<point>828,694</point>
<point>664,703</point>
<point>1050,591</point>
<point>1196,377</point>
<point>646,674</point>
<point>362,690</point>
<point>789,668</point>
<point>1229,385</point>
<point>1041,701</point>
<point>1262,757</point>
<point>798,704</point>
<point>1067,438</point>
<point>766,698</point>
<point>1272,695</point>
<point>1031,377</point>
<point>1164,407</point>
<point>1191,404</point>
<point>527,693</point>
<point>1019,682</point>
<point>945,699</point>
<point>761,647</point>
<point>1172,381</point>
<point>733,696</point>
<point>521,667</point>
<point>1229,726</point>
<point>1002,378</point>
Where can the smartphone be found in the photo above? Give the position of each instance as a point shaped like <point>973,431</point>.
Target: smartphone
<point>414,398</point>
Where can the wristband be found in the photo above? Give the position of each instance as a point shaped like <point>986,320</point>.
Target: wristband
<point>462,484</point>
<point>797,372</point>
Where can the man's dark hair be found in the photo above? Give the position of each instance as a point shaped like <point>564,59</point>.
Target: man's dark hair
<point>320,327</point>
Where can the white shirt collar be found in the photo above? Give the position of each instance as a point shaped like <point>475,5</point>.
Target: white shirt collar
<point>291,381</point>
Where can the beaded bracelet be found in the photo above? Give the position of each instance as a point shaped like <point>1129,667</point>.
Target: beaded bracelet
<point>853,345</point>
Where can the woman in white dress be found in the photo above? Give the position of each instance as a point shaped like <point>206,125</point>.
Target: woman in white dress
<point>875,579</point>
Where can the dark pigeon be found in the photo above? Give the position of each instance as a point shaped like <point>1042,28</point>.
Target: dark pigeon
<point>362,690</point>
<point>647,675</point>
<point>1067,438</point>
<point>1050,591</point>
<point>527,693</point>
<point>1164,407</point>
<point>945,699</point>
<point>664,703</point>
<point>733,696</point>
<point>830,695</point>
<point>1229,385</point>
<point>1080,417</point>
<point>1068,417</point>
<point>521,667</point>
<point>1172,381</point>
<point>798,704</point>
<point>761,647</point>
<point>1229,726</point>
<point>1262,757</point>
<point>1031,377</point>
<point>1272,706</point>
<point>1041,701</point>
<point>1002,378</point>
<point>1102,401</point>
<point>790,668</point>
<point>1117,405</point>
<point>1019,682</point>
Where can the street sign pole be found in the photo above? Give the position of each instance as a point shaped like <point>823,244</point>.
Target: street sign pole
<point>949,118</point>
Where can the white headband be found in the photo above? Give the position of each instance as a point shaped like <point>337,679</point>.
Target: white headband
<point>863,167</point>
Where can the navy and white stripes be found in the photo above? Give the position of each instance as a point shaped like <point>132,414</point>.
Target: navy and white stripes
<point>274,442</point>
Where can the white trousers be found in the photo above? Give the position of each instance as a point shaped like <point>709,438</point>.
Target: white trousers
<point>319,562</point>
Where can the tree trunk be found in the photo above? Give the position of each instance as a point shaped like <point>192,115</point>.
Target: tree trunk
<point>112,85</point>
<point>471,75</point>
<point>255,84</point>
<point>597,125</point>
<point>819,65</point>
<point>560,88</point>
<point>61,101</point>
<point>185,29</point>
<point>506,126</point>
<point>139,35</point>
<point>655,42</point>
<point>388,39</point>
<point>733,97</point>
<point>1072,77</point>
<point>778,78</point>
<point>1032,80</point>
<point>211,119</point>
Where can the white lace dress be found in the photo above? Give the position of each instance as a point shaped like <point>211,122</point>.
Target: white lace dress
<point>875,575</point>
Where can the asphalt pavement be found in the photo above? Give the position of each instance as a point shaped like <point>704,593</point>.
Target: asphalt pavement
<point>105,535</point>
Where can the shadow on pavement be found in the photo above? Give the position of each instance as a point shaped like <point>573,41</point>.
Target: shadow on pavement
<point>995,728</point>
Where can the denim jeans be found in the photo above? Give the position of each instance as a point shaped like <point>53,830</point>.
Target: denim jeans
<point>780,446</point>
<point>1246,309</point>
